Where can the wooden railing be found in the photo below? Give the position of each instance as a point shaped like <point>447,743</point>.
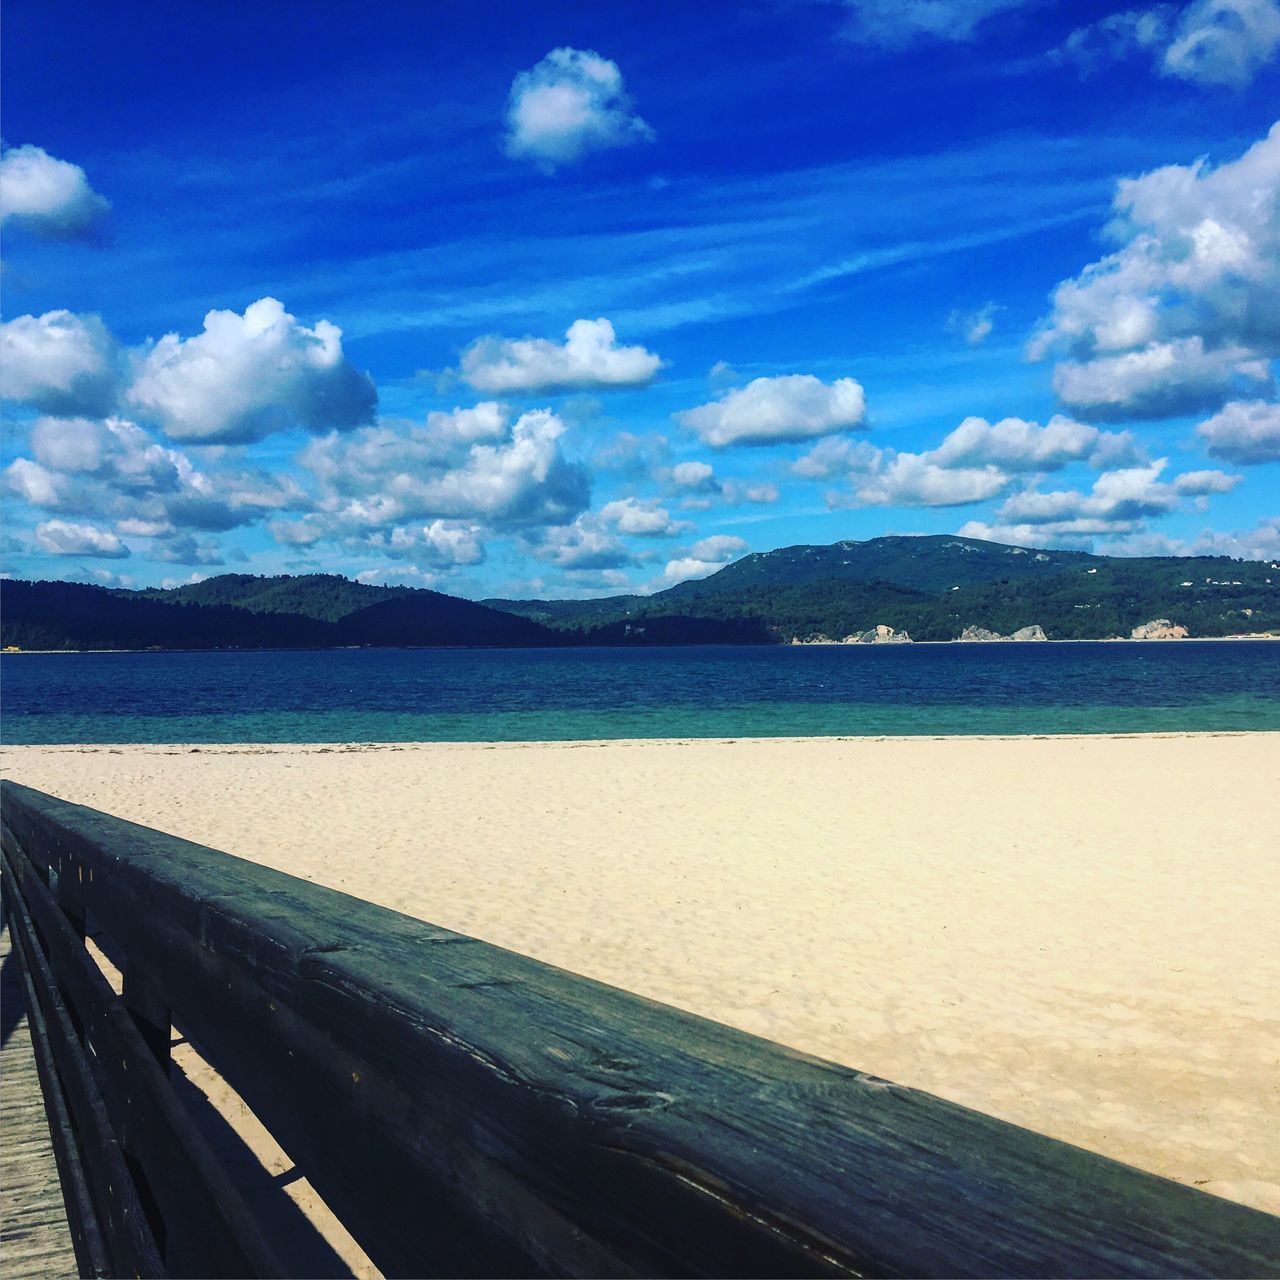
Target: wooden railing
<point>467,1111</point>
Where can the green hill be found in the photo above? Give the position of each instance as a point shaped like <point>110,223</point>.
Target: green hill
<point>932,587</point>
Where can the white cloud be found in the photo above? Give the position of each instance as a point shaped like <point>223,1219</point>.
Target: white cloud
<point>759,494</point>
<point>773,410</point>
<point>1244,432</point>
<point>974,326</point>
<point>832,457</point>
<point>697,477</point>
<point>1114,38</point>
<point>59,363</point>
<point>704,557</point>
<point>51,196</point>
<point>894,24</point>
<point>911,480</point>
<point>381,476</point>
<point>1260,543</point>
<point>571,103</point>
<point>1203,483</point>
<point>1190,302</point>
<point>298,533</point>
<point>589,358</point>
<point>1117,497</point>
<point>63,538</point>
<point>1223,41</point>
<point>183,548</point>
<point>582,545</point>
<point>1078,533</point>
<point>113,470</point>
<point>248,376</point>
<point>642,518</point>
<point>718,549</point>
<point>1163,380</point>
<point>113,449</point>
<point>1014,445</point>
<point>440,544</point>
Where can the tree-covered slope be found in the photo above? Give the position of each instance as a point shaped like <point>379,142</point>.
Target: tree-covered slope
<point>762,599</point>
<point>65,615</point>
<point>325,596</point>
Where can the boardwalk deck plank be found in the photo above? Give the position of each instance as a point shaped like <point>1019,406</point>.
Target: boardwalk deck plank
<point>35,1238</point>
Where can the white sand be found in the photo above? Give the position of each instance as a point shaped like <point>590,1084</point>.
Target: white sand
<point>1077,934</point>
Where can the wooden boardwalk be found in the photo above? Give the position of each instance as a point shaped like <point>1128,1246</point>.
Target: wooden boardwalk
<point>34,1237</point>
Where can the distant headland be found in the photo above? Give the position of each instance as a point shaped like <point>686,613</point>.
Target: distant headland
<point>890,589</point>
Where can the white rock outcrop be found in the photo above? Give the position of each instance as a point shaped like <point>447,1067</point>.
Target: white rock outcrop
<point>1034,632</point>
<point>1159,629</point>
<point>879,634</point>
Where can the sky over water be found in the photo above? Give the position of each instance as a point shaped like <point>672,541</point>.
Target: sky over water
<point>569,299</point>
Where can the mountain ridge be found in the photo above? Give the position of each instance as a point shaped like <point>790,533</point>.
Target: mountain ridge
<point>932,586</point>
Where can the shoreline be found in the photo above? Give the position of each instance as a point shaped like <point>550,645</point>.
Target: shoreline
<point>550,744</point>
<point>1074,933</point>
<point>781,644</point>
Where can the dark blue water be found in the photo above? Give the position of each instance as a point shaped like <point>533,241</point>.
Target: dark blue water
<point>405,695</point>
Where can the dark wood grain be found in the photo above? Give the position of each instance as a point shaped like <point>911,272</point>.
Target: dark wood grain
<point>469,1111</point>
<point>129,1243</point>
<point>206,1228</point>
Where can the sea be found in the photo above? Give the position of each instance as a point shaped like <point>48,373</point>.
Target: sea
<point>505,695</point>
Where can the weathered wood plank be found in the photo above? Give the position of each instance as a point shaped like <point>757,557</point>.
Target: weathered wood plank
<point>126,1235</point>
<point>41,1234</point>
<point>209,1229</point>
<point>486,1114</point>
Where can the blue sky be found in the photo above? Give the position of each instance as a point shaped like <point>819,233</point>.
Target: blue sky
<point>567,300</point>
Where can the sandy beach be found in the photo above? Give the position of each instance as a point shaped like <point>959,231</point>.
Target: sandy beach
<point>1075,934</point>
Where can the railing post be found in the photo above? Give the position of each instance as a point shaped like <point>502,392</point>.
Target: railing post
<point>149,1011</point>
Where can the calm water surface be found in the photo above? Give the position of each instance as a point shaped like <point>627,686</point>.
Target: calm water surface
<point>406,695</point>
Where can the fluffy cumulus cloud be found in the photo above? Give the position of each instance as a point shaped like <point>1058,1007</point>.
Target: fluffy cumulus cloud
<point>386,475</point>
<point>1202,483</point>
<point>572,103</point>
<point>704,557</point>
<point>912,480</point>
<point>1162,380</point>
<point>59,363</point>
<point>1015,445</point>
<point>65,538</point>
<point>51,196</point>
<point>113,470</point>
<point>1118,501</point>
<point>581,547</point>
<point>645,518</point>
<point>247,376</point>
<point>1244,432</point>
<point>439,544</point>
<point>894,24</point>
<point>589,358</point>
<point>774,410</point>
<point>695,477</point>
<point>1187,309</point>
<point>1223,42</point>
<point>977,461</point>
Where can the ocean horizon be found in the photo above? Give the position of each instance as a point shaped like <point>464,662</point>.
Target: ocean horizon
<point>506,695</point>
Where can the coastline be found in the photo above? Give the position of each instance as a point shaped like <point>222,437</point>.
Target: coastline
<point>782,644</point>
<point>1072,932</point>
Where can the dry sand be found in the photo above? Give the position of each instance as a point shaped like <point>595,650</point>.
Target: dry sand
<point>1077,934</point>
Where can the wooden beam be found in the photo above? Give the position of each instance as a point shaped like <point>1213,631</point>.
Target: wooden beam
<point>469,1111</point>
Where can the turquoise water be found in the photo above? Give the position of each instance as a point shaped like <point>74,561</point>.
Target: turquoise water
<point>404,695</point>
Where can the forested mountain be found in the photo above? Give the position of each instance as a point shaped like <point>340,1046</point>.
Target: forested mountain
<point>934,587</point>
<point>66,615</point>
<point>931,587</point>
